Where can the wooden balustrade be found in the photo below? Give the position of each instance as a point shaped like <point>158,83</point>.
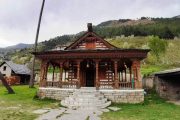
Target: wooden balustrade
<point>70,84</point>
<point>52,83</point>
<point>125,85</point>
<point>105,84</point>
<point>63,84</point>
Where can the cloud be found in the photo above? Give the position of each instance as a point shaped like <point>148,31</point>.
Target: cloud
<point>18,18</point>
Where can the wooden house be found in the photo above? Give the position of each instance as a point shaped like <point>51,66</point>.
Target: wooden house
<point>91,61</point>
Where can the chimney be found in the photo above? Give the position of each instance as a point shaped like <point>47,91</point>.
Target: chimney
<point>89,25</point>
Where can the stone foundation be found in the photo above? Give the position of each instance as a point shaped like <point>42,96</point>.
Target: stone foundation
<point>116,96</point>
<point>124,96</point>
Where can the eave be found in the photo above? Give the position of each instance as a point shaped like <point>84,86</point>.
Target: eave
<point>97,54</point>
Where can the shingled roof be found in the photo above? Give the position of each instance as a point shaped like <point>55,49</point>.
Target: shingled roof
<point>17,68</point>
<point>171,71</point>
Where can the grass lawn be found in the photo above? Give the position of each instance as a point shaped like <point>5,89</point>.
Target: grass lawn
<point>153,108</point>
<point>19,106</point>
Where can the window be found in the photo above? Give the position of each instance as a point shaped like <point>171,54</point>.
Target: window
<point>4,68</point>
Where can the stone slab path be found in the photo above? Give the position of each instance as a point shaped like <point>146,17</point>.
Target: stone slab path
<point>70,114</point>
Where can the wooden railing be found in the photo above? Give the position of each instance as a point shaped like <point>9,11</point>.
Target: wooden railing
<point>64,84</point>
<point>69,84</point>
<point>52,84</point>
<point>125,85</point>
<point>105,84</point>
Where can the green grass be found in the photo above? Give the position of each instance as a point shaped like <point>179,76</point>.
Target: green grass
<point>153,108</point>
<point>19,106</point>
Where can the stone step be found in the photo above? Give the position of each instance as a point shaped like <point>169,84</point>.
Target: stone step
<point>88,88</point>
<point>86,98</point>
<point>84,102</point>
<point>87,92</point>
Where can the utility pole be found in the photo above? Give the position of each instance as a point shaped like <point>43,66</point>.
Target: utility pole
<point>31,83</point>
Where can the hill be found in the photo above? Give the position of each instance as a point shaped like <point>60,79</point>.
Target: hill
<point>125,22</point>
<point>178,16</point>
<point>166,28</point>
<point>14,48</point>
<point>124,33</point>
<point>19,46</point>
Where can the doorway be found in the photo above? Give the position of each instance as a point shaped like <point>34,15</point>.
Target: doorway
<point>90,77</point>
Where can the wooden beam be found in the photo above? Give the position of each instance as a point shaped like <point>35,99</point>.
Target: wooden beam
<point>60,74</point>
<point>116,83</point>
<point>43,74</point>
<point>137,74</point>
<point>97,74</point>
<point>78,75</point>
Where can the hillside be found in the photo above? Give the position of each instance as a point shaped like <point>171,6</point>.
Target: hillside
<point>167,61</point>
<point>125,22</point>
<point>166,28</point>
<point>178,16</point>
<point>4,51</point>
<point>124,33</point>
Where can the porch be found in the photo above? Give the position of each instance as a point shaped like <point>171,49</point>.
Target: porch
<point>100,73</point>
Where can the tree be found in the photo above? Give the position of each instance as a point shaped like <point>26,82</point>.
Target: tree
<point>158,46</point>
<point>10,90</point>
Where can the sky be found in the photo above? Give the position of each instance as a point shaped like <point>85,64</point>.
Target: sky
<point>19,18</point>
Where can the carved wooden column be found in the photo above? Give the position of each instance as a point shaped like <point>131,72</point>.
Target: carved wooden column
<point>130,72</point>
<point>78,75</point>
<point>97,74</point>
<point>60,74</point>
<point>53,74</point>
<point>43,74</point>
<point>116,82</point>
<point>137,74</point>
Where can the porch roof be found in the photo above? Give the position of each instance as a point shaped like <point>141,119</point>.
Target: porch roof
<point>109,53</point>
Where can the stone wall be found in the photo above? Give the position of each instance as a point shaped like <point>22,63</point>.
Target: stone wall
<point>117,96</point>
<point>54,93</point>
<point>148,82</point>
<point>124,96</point>
<point>168,89</point>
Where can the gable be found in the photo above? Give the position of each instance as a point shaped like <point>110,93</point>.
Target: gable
<point>5,69</point>
<point>90,41</point>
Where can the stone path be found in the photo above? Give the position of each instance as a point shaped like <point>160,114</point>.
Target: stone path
<point>70,114</point>
<point>83,104</point>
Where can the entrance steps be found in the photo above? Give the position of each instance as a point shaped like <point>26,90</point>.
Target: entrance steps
<point>86,97</point>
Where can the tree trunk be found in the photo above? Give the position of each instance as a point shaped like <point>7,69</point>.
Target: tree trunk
<point>31,83</point>
<point>10,90</point>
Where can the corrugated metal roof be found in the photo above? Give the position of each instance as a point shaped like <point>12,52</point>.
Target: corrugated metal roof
<point>18,69</point>
<point>168,71</point>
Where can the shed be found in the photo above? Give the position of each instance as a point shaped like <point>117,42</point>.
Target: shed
<point>16,71</point>
<point>168,84</point>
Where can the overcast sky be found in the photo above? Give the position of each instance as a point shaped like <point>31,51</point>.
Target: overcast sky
<point>18,18</point>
